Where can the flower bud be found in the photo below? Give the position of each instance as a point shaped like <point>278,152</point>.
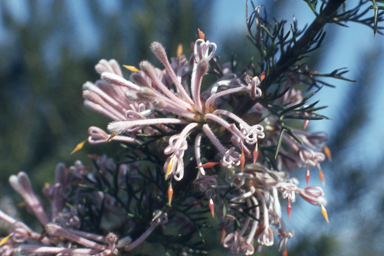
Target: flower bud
<point>138,79</point>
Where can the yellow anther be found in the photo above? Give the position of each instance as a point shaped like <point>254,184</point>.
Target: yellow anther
<point>179,50</point>
<point>327,152</point>
<point>201,34</point>
<point>78,147</point>
<point>131,68</point>
<point>169,167</point>
<point>5,239</point>
<point>324,212</point>
<point>112,135</point>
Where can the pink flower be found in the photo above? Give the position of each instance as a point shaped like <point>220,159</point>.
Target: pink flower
<point>151,91</point>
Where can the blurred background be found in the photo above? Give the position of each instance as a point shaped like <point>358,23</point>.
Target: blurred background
<point>49,49</point>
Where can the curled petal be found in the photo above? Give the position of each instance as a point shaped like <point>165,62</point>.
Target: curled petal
<point>266,237</point>
<point>284,236</point>
<point>254,133</point>
<point>206,182</point>
<point>231,242</point>
<point>311,158</point>
<point>204,51</point>
<point>231,157</point>
<point>174,148</point>
<point>254,90</point>
<point>312,195</point>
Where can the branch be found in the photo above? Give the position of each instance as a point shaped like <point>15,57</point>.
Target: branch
<point>291,55</point>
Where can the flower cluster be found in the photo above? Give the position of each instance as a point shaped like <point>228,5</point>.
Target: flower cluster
<point>170,101</point>
<point>164,98</point>
<point>196,129</point>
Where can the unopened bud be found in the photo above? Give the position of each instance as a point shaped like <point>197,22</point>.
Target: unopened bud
<point>91,96</point>
<point>159,51</point>
<point>159,104</point>
<point>148,69</point>
<point>147,93</point>
<point>118,80</point>
<point>131,95</point>
<point>138,79</point>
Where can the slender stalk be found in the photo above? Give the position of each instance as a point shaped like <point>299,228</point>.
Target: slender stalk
<point>288,58</point>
